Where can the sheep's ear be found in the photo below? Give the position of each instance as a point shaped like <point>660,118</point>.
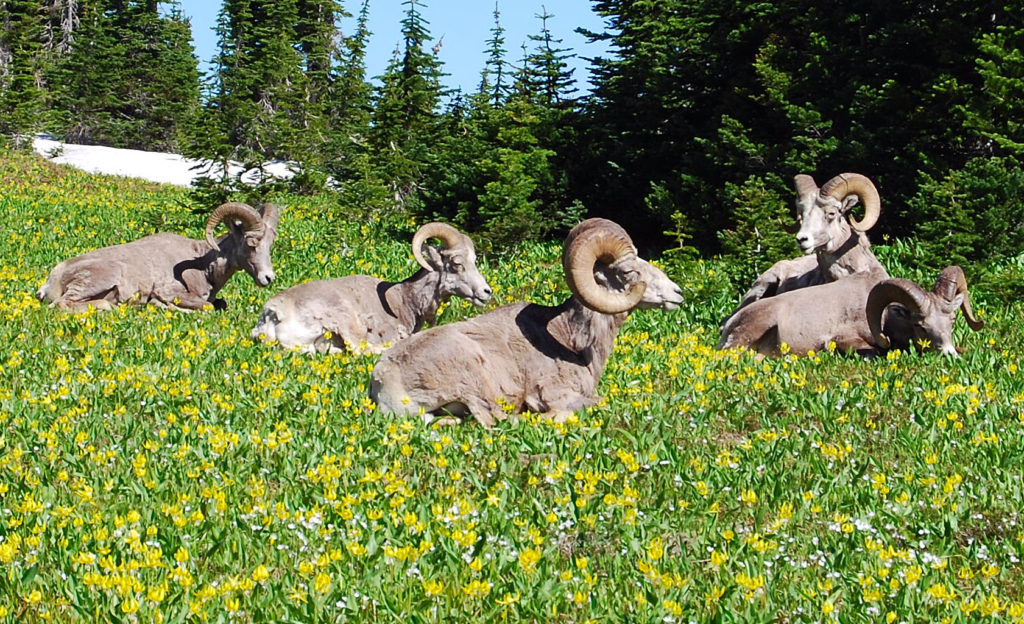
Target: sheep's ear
<point>849,202</point>
<point>236,228</point>
<point>433,257</point>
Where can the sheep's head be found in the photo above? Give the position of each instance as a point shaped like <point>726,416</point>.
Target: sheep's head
<point>923,318</point>
<point>822,212</point>
<point>253,233</point>
<point>661,291</point>
<point>605,274</point>
<point>454,260</point>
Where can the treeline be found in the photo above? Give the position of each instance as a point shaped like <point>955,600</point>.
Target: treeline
<point>106,72</point>
<point>700,113</point>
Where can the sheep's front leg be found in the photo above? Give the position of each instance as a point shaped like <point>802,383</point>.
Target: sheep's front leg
<point>185,302</point>
<point>445,421</point>
<point>82,306</point>
<point>558,416</point>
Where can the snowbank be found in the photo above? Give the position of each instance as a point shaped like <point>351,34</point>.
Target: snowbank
<point>152,166</point>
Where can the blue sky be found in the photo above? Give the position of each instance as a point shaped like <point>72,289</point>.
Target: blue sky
<point>463,26</point>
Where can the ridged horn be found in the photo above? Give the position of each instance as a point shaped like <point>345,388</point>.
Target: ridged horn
<point>955,275</point>
<point>846,184</point>
<point>251,220</point>
<point>789,228</point>
<point>605,241</point>
<point>271,215</point>
<point>804,184</point>
<point>898,290</point>
<point>448,235</point>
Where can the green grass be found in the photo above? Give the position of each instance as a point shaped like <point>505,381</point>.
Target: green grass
<point>157,466</point>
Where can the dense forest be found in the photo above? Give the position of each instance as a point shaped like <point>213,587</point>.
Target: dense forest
<point>700,114</point>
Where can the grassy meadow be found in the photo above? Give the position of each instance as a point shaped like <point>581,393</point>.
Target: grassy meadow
<point>160,467</point>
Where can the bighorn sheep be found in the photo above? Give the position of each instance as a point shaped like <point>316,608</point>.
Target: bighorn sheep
<point>840,247</point>
<point>525,356</point>
<point>344,313</point>
<point>169,270</point>
<point>859,313</point>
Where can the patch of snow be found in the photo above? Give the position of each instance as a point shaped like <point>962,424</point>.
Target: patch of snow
<point>153,166</point>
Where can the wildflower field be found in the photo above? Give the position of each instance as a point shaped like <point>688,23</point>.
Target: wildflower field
<point>160,467</point>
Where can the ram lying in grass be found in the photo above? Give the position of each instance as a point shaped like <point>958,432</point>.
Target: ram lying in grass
<point>169,270</point>
<point>860,313</point>
<point>523,356</point>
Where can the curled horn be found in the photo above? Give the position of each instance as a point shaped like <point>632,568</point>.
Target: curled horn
<point>901,291</point>
<point>251,220</point>
<point>804,184</point>
<point>789,228</point>
<point>270,215</point>
<point>448,235</point>
<point>955,275</point>
<point>605,241</point>
<point>846,184</point>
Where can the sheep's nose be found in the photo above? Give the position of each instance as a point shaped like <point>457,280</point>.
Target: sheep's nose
<point>487,292</point>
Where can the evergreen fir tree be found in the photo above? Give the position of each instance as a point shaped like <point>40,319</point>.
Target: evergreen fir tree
<point>997,112</point>
<point>350,93</point>
<point>492,79</point>
<point>405,121</point>
<point>454,180</point>
<point>347,104</point>
<point>129,78</point>
<point>60,26</point>
<point>21,95</point>
<point>258,105</point>
<point>282,114</point>
<point>496,172</point>
<point>546,70</point>
<point>162,94</point>
<point>315,34</point>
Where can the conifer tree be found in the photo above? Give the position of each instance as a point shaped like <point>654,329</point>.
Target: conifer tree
<point>997,113</point>
<point>405,121</point>
<point>493,78</point>
<point>21,95</point>
<point>496,172</point>
<point>271,96</point>
<point>347,103</point>
<point>350,158</point>
<point>315,33</point>
<point>972,215</point>
<point>257,106</point>
<point>350,93</point>
<point>129,77</point>
<point>60,26</point>
<point>163,88</point>
<point>454,181</point>
<point>547,75</point>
